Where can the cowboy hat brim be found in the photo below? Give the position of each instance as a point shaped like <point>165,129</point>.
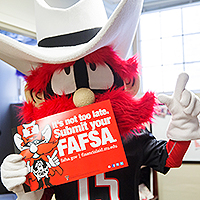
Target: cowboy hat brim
<point>118,32</point>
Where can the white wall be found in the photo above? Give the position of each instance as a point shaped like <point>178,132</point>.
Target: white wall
<point>18,16</point>
<point>180,184</point>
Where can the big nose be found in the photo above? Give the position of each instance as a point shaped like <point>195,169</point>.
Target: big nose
<point>83,97</point>
<point>33,148</point>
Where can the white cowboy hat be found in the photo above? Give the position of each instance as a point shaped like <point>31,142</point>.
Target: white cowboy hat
<point>69,34</point>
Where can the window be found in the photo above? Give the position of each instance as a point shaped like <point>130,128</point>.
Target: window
<point>169,42</point>
<point>20,77</point>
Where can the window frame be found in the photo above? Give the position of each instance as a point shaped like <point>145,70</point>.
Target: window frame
<point>138,44</point>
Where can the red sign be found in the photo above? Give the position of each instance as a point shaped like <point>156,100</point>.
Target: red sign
<point>71,145</point>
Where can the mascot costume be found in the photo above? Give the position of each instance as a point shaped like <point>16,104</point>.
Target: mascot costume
<point>79,61</point>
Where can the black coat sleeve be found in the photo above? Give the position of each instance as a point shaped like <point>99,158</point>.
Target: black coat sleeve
<point>154,152</point>
<point>148,150</point>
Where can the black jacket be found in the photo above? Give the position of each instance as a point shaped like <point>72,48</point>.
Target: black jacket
<point>141,149</point>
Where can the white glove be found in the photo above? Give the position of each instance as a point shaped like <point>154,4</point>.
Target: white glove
<point>53,160</point>
<point>184,107</point>
<point>13,175</point>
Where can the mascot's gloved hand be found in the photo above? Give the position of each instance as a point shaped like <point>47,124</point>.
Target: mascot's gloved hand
<point>184,107</point>
<point>13,175</point>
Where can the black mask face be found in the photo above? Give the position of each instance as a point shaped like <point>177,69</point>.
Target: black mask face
<point>97,77</point>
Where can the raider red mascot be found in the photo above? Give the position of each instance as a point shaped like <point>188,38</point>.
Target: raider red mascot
<point>79,60</point>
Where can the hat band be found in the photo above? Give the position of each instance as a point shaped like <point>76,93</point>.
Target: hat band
<point>71,39</point>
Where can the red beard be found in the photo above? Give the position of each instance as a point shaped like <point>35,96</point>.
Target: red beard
<point>130,113</point>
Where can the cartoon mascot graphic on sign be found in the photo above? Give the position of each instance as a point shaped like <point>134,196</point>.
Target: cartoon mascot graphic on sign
<point>35,146</point>
<point>80,60</point>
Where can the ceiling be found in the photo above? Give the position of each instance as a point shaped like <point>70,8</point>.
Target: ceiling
<point>150,5</point>
<point>18,16</point>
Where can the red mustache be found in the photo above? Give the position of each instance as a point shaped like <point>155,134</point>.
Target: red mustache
<point>130,113</point>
